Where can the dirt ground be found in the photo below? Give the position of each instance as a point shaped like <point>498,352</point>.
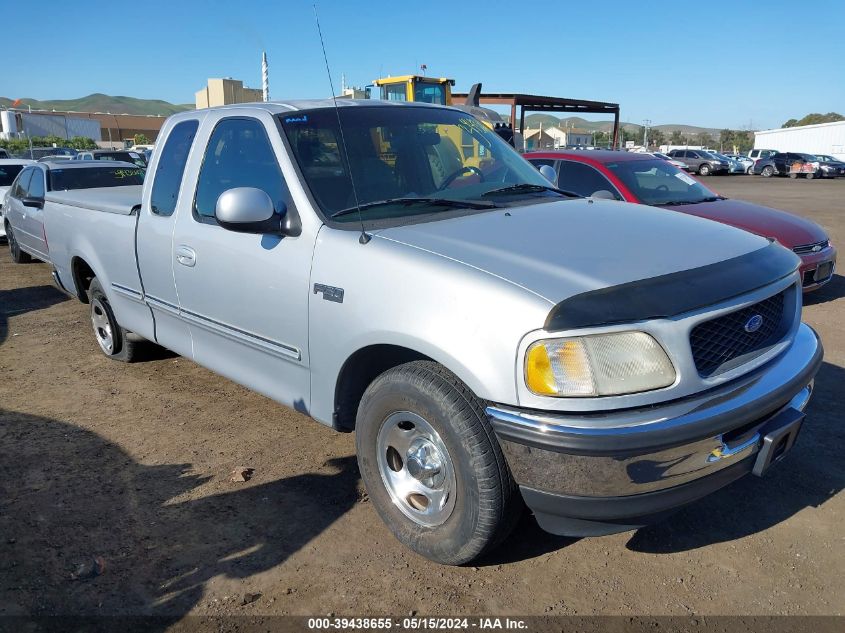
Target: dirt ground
<point>120,474</point>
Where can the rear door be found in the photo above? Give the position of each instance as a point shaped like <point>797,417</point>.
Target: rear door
<point>33,217</point>
<point>245,295</point>
<point>154,242</point>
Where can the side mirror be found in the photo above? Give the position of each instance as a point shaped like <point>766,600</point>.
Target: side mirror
<point>603,194</point>
<point>548,172</point>
<point>250,210</point>
<point>35,203</point>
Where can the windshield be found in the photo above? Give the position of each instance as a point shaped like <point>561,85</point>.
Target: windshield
<point>658,182</point>
<point>401,153</point>
<point>8,173</point>
<point>92,177</point>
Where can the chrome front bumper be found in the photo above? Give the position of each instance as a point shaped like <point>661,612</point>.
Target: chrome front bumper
<point>645,451</point>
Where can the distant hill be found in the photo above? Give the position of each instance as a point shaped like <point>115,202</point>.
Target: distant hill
<point>98,102</point>
<point>550,120</point>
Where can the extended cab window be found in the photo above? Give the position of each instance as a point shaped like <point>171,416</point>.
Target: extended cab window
<point>239,154</point>
<point>171,166</point>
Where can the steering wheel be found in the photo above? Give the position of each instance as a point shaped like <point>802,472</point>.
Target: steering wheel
<point>454,175</point>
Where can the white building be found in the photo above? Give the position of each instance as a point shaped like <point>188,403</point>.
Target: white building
<point>556,138</point>
<point>823,138</point>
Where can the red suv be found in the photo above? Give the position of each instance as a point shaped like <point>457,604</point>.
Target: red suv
<point>646,179</point>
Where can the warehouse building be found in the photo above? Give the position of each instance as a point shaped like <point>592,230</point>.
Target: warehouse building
<point>823,138</point>
<point>227,91</point>
<point>110,130</point>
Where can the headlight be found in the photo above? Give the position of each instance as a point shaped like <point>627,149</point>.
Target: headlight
<point>598,365</point>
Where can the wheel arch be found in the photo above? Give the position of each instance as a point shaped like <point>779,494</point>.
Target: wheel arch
<point>82,274</point>
<point>358,372</point>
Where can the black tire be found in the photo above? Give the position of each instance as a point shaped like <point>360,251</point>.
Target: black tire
<point>18,256</point>
<point>793,175</point>
<point>767,172</point>
<point>486,503</point>
<point>810,175</point>
<point>124,346</point>
<point>704,169</point>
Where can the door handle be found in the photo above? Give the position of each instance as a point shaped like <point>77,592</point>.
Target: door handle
<point>186,256</point>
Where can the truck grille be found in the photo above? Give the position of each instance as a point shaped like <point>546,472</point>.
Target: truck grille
<point>725,342</point>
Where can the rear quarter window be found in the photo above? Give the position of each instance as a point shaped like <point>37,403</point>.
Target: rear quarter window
<point>171,166</point>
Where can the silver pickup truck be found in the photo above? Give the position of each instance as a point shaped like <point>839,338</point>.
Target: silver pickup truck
<point>399,271</point>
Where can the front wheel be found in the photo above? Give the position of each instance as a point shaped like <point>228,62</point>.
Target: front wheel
<point>432,465</point>
<point>704,169</point>
<point>810,175</point>
<point>18,256</point>
<point>114,341</point>
<point>768,171</point>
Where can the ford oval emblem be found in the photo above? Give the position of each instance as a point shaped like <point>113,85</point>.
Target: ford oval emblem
<point>754,323</point>
<point>816,248</point>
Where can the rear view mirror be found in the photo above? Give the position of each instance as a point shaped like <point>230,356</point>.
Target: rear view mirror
<point>250,210</point>
<point>548,172</point>
<point>603,194</point>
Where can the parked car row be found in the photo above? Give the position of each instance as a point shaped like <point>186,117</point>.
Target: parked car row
<point>492,339</point>
<point>796,164</point>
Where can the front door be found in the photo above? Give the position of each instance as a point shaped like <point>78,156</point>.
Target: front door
<point>244,295</point>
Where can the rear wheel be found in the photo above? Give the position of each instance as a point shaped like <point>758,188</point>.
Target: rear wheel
<point>18,256</point>
<point>114,341</point>
<point>704,169</point>
<point>810,175</point>
<point>768,171</point>
<point>793,175</point>
<point>432,465</point>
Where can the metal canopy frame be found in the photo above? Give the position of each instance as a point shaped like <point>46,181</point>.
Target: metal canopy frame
<point>538,103</point>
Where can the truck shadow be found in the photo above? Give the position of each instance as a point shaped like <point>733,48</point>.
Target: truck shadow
<point>810,475</point>
<point>21,300</point>
<point>831,291</point>
<point>72,500</point>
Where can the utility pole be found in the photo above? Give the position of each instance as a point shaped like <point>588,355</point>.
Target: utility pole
<point>646,124</point>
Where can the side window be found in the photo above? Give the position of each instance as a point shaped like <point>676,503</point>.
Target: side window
<point>35,189</point>
<point>171,166</point>
<point>239,154</point>
<point>583,179</point>
<point>22,183</point>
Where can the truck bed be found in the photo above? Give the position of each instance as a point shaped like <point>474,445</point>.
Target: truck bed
<point>97,226</point>
<point>120,200</point>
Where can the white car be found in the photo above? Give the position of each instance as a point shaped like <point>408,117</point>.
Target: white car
<point>9,169</point>
<point>670,160</point>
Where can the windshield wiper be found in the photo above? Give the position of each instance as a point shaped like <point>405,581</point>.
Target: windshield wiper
<point>677,203</point>
<point>443,202</point>
<point>529,188</point>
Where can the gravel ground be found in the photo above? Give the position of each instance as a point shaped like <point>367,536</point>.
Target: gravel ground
<point>115,495</point>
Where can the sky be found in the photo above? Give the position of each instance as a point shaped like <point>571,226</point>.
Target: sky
<point>719,64</point>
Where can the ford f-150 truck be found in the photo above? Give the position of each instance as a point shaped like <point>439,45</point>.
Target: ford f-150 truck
<point>400,271</point>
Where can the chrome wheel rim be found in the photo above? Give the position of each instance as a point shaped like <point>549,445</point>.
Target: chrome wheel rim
<point>102,326</point>
<point>416,469</point>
